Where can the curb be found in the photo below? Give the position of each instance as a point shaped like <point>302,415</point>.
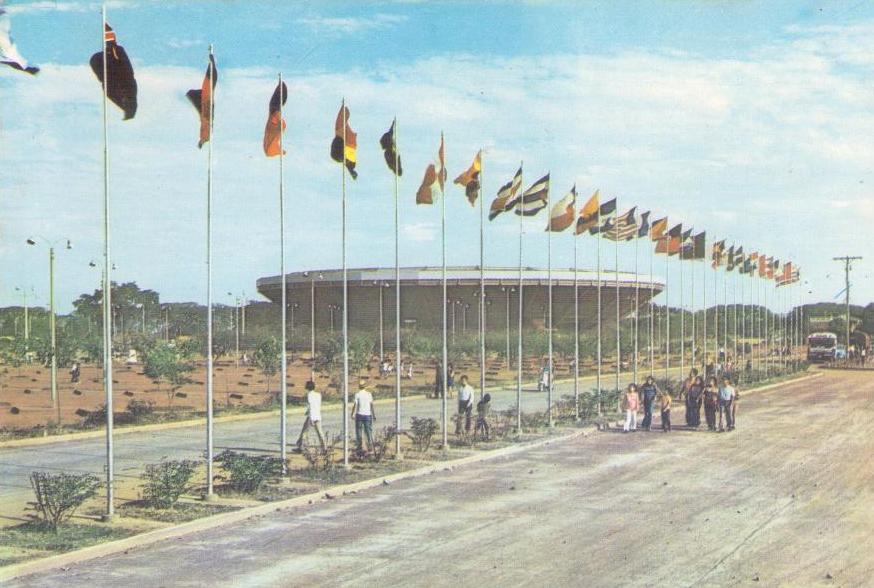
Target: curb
<point>64,560</point>
<point>783,383</point>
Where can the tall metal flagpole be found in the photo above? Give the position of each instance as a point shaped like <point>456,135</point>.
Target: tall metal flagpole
<point>743,329</point>
<point>576,334</point>
<point>283,363</point>
<point>345,301</point>
<point>445,407</point>
<point>636,308</point>
<point>598,252</point>
<point>704,304</point>
<point>725,312</point>
<point>550,368</point>
<point>482,286</point>
<point>651,310</point>
<point>107,296</point>
<point>734,316</point>
<point>209,360</point>
<point>667,315</point>
<point>398,351</point>
<point>519,326</point>
<point>692,308</point>
<point>616,293</point>
<point>682,315</point>
<point>716,312</point>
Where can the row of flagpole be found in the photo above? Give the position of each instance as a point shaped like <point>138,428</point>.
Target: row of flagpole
<point>207,102</point>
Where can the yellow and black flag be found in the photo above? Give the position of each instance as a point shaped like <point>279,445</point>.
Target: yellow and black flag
<point>121,86</point>
<point>344,147</point>
<point>389,145</point>
<point>470,178</point>
<point>657,231</point>
<point>717,254</point>
<point>202,100</point>
<point>275,123</point>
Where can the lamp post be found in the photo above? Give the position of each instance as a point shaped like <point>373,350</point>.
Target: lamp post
<point>464,308</point>
<point>293,307</point>
<point>52,320</point>
<point>236,329</point>
<point>23,291</point>
<point>507,291</point>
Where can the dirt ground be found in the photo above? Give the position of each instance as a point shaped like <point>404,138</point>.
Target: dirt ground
<point>783,501</point>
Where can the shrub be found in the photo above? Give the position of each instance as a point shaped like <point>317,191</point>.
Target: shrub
<point>247,473</point>
<point>320,459</point>
<point>165,482</point>
<point>267,357</point>
<point>422,431</point>
<point>382,443</point>
<point>58,496</point>
<point>139,410</point>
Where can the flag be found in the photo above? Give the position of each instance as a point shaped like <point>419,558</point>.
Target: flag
<point>534,198</point>
<point>507,196</point>
<point>344,147</point>
<point>687,246</point>
<point>699,245</point>
<point>738,256</point>
<point>588,218</point>
<point>470,178</point>
<point>786,275</point>
<point>763,265</point>
<point>389,145</point>
<point>562,214</point>
<point>729,259</point>
<point>773,265</point>
<point>434,180</point>
<point>9,54</point>
<point>657,231</point>
<point>607,216</point>
<point>625,227</point>
<point>121,87</point>
<point>275,123</point>
<point>670,244</point>
<point>202,100</point>
<point>643,231</point>
<point>717,254</point>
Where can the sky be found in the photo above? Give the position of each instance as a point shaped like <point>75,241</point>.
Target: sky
<point>750,120</point>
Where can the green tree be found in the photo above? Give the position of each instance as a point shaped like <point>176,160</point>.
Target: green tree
<point>164,362</point>
<point>267,358</point>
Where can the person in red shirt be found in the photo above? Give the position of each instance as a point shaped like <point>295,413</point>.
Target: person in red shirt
<point>630,404</point>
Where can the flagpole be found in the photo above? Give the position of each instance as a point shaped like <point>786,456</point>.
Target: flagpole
<point>398,354</point>
<point>725,310</point>
<point>704,304</point>
<point>283,367</point>
<point>734,317</point>
<point>716,311</point>
<point>651,310</point>
<point>576,334</point>
<point>616,279</point>
<point>209,355</point>
<point>598,252</point>
<point>667,314</point>
<point>445,407</point>
<point>482,285</point>
<point>682,313</point>
<point>107,296</point>
<point>549,367</point>
<point>743,329</point>
<point>636,308</point>
<point>345,297</point>
<point>519,332</point>
<point>692,308</point>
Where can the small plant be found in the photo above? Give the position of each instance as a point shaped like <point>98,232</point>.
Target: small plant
<point>422,431</point>
<point>382,444</point>
<point>267,358</point>
<point>320,459</point>
<point>165,482</point>
<point>58,496</point>
<point>247,473</point>
<point>139,410</point>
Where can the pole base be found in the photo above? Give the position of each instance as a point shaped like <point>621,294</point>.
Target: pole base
<point>208,497</point>
<point>106,517</point>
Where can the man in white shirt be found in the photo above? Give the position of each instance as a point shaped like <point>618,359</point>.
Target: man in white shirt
<point>313,415</point>
<point>465,406</point>
<point>362,411</point>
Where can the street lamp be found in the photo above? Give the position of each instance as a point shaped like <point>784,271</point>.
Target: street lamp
<point>52,318</point>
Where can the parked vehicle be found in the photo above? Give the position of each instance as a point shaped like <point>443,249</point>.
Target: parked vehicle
<point>822,347</point>
<point>840,352</point>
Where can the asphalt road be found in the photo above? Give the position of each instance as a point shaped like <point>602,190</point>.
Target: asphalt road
<point>135,450</point>
<point>784,500</point>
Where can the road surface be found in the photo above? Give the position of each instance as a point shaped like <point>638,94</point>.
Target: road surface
<point>784,500</point>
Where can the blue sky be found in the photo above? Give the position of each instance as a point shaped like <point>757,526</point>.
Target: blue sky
<point>751,120</point>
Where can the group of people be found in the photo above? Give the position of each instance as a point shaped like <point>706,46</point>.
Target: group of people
<point>719,398</point>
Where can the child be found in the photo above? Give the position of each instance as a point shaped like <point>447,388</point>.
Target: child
<point>665,400</point>
<point>483,407</point>
<point>630,404</point>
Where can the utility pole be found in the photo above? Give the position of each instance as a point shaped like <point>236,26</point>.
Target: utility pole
<point>848,260</point>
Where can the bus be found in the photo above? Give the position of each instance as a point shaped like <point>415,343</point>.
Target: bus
<point>821,347</point>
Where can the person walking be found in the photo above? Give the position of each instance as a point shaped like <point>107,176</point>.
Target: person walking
<point>726,396</point>
<point>364,415</point>
<point>688,382</point>
<point>483,409</point>
<point>75,371</point>
<point>711,403</point>
<point>630,404</point>
<point>666,400</point>
<point>465,406</point>
<point>313,415</point>
<point>649,391</point>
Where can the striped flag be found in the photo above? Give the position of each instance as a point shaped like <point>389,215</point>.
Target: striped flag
<point>607,216</point>
<point>563,212</point>
<point>9,54</point>
<point>203,101</point>
<point>434,181</point>
<point>729,259</point>
<point>534,198</point>
<point>625,227</point>
<point>470,178</point>
<point>388,142</point>
<point>738,256</point>
<point>275,124</point>
<point>344,147</point>
<point>121,87</point>
<point>643,229</point>
<point>588,218</point>
<point>507,197</point>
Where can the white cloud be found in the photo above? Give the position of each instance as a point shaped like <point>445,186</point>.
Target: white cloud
<point>420,232</point>
<point>61,6</point>
<point>351,25</point>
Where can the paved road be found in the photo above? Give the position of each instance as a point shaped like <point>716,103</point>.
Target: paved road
<point>134,450</point>
<point>785,500</point>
